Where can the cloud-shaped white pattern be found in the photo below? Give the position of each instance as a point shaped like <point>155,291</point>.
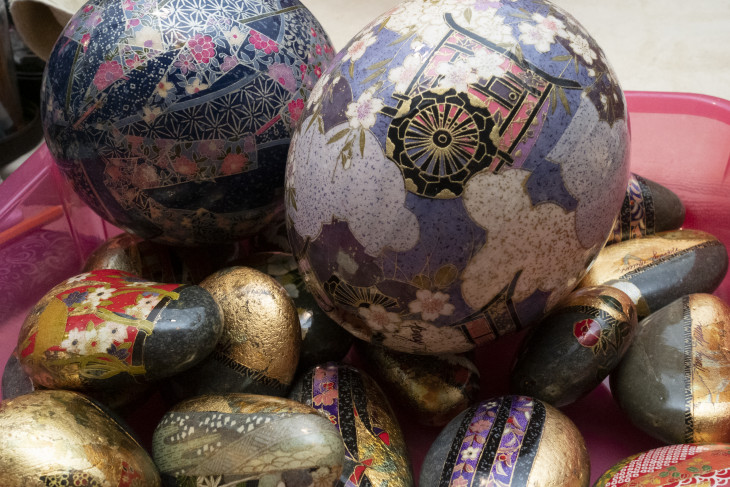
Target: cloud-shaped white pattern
<point>595,170</point>
<point>369,194</point>
<point>538,240</point>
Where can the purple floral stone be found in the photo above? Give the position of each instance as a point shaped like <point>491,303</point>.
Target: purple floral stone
<point>507,441</point>
<point>457,168</point>
<point>173,119</point>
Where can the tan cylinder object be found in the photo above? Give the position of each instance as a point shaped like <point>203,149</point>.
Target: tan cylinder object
<point>40,22</point>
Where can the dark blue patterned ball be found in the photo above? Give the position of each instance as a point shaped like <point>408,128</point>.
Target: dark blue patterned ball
<point>172,119</point>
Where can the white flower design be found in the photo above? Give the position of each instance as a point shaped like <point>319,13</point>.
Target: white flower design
<point>458,75</point>
<point>147,37</point>
<point>582,47</point>
<point>487,63</point>
<point>150,114</point>
<point>358,47</point>
<point>79,341</point>
<point>144,305</point>
<point>195,87</point>
<point>470,453</point>
<point>551,24</point>
<point>492,26</point>
<point>79,278</point>
<point>403,18</point>
<point>163,87</point>
<point>431,305</point>
<point>362,113</point>
<point>99,294</point>
<point>235,37</point>
<point>315,95</point>
<point>403,75</point>
<point>102,339</point>
<point>111,332</point>
<point>379,319</point>
<point>533,35</point>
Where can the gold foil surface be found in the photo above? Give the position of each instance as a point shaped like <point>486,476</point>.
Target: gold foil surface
<point>591,297</point>
<point>242,403</point>
<point>434,388</point>
<point>622,259</point>
<point>562,459</point>
<point>251,436</point>
<point>710,368</point>
<point>120,252</point>
<point>261,325</point>
<point>390,465</point>
<point>50,434</point>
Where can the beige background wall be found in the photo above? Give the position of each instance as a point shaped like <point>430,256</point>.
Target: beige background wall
<point>654,45</point>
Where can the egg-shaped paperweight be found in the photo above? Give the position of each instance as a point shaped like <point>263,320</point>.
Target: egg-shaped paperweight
<point>63,438</point>
<point>508,441</point>
<point>707,465</point>
<point>173,120</point>
<point>456,169</point>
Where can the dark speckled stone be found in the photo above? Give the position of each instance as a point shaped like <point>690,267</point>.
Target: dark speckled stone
<point>15,381</point>
<point>654,271</point>
<point>648,208</point>
<point>672,382</point>
<point>574,348</point>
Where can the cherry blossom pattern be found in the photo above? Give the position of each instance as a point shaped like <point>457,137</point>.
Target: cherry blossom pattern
<point>582,47</point>
<point>379,319</point>
<point>234,163</point>
<point>431,305</point>
<point>202,48</point>
<point>262,43</point>
<point>358,46</point>
<point>457,75</point>
<point>402,75</point>
<point>542,34</point>
<point>361,114</point>
<point>108,73</point>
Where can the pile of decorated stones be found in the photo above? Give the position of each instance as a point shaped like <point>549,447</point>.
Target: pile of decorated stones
<point>450,177</point>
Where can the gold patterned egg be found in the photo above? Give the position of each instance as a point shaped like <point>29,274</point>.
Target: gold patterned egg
<point>235,438</point>
<point>64,438</point>
<point>259,350</point>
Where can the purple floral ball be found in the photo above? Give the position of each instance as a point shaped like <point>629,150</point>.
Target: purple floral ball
<point>457,168</point>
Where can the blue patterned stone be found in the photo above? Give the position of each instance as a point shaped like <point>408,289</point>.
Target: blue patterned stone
<point>172,119</point>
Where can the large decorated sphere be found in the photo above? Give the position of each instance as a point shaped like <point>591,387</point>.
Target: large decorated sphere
<point>456,170</point>
<point>173,119</point>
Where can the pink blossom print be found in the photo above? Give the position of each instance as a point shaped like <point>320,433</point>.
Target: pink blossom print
<point>108,73</point>
<point>202,48</point>
<point>263,43</point>
<point>295,109</point>
<point>234,163</point>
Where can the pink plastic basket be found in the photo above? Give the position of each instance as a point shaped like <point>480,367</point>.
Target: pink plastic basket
<point>679,140</point>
